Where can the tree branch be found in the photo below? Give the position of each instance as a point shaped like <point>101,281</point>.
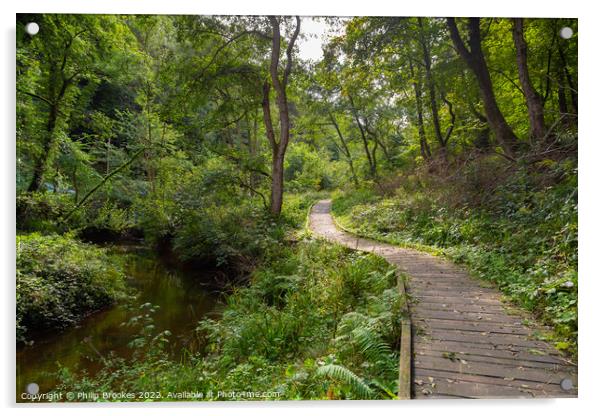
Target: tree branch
<point>289,52</point>
<point>39,97</point>
<point>457,39</point>
<point>101,183</point>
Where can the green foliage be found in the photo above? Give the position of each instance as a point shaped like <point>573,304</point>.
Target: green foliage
<point>315,320</point>
<point>282,334</point>
<point>342,374</point>
<point>205,214</point>
<point>309,170</point>
<point>60,280</point>
<point>523,236</point>
<point>42,211</point>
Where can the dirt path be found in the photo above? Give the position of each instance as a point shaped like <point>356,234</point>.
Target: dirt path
<point>466,342</point>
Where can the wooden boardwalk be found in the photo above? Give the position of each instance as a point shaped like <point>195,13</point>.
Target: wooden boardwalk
<point>466,342</point>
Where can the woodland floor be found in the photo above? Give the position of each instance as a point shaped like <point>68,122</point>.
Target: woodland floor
<point>467,342</point>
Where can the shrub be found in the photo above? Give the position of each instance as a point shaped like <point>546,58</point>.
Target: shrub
<point>60,280</point>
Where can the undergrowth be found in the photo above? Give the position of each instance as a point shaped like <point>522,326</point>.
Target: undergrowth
<point>319,321</point>
<point>60,280</point>
<point>522,235</point>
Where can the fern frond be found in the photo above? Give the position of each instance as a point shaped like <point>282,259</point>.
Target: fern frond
<point>371,345</point>
<point>344,375</point>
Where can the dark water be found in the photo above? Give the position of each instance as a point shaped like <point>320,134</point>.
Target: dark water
<point>182,298</point>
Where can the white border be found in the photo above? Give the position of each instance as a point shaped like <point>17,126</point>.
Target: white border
<point>590,155</point>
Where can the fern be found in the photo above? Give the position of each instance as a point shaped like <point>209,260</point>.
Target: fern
<point>386,391</point>
<point>347,377</point>
<point>373,348</point>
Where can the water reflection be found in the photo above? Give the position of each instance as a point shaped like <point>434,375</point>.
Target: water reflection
<point>182,299</point>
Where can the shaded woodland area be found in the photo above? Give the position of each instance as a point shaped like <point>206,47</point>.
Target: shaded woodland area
<point>210,137</point>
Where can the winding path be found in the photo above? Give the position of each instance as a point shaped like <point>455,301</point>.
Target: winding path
<point>466,342</point>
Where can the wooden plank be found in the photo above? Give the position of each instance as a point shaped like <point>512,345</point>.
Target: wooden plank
<point>405,344</point>
<point>487,338</point>
<point>504,371</point>
<point>460,291</point>
<point>476,326</point>
<point>467,316</point>
<point>467,307</point>
<point>438,297</point>
<point>405,361</point>
<point>513,360</point>
<point>523,354</point>
<point>552,390</point>
<point>452,311</point>
<point>472,390</point>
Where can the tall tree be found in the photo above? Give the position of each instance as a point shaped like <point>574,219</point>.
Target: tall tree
<point>425,149</point>
<point>532,97</point>
<point>344,147</point>
<point>430,83</point>
<point>279,84</point>
<point>361,125</point>
<point>475,60</point>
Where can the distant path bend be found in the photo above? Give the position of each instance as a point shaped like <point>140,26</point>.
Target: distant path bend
<point>467,343</point>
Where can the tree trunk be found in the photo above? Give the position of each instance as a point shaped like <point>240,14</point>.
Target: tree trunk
<point>252,133</point>
<point>277,190</point>
<point>425,149</point>
<point>345,149</point>
<point>532,97</point>
<point>426,56</point>
<point>475,60</point>
<point>278,147</point>
<point>562,103</point>
<point>371,162</point>
<point>569,79</point>
<point>41,163</point>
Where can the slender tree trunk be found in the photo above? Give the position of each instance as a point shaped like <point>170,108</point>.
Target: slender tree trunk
<point>569,79</point>
<point>475,60</point>
<point>533,99</point>
<point>345,148</point>
<point>425,149</point>
<point>563,107</point>
<point>252,133</point>
<point>452,121</point>
<point>277,183</point>
<point>426,56</point>
<point>74,182</point>
<point>40,166</point>
<point>371,161</point>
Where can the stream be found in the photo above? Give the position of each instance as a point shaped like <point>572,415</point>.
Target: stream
<point>182,299</point>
